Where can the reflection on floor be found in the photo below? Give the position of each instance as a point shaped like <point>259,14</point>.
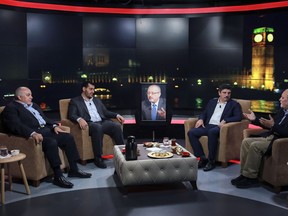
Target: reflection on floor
<point>217,180</point>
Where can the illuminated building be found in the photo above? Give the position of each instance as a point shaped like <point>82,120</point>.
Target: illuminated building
<point>262,76</point>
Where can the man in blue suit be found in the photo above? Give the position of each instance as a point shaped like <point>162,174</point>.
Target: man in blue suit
<point>218,112</point>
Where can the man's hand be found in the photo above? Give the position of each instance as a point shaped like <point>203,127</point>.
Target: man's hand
<point>58,129</point>
<point>162,112</point>
<point>83,124</point>
<point>120,119</point>
<point>199,123</point>
<point>251,116</point>
<point>269,123</point>
<point>38,138</point>
<point>222,123</point>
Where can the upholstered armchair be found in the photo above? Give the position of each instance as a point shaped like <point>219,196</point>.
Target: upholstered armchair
<point>274,169</point>
<point>35,164</point>
<point>230,139</point>
<point>82,138</point>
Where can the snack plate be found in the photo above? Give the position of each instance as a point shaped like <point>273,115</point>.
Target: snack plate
<point>157,156</point>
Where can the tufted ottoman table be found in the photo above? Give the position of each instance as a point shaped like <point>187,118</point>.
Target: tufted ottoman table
<point>147,170</point>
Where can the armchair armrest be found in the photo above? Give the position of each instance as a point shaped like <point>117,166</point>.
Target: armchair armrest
<point>188,124</point>
<point>230,139</point>
<point>250,132</point>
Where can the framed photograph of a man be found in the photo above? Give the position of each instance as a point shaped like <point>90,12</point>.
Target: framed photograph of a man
<point>153,103</point>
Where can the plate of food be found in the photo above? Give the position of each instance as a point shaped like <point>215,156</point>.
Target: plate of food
<point>151,144</point>
<point>160,155</point>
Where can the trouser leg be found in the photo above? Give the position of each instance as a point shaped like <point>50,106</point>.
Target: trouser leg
<point>96,133</point>
<point>213,137</point>
<point>252,150</point>
<point>113,129</point>
<point>194,134</point>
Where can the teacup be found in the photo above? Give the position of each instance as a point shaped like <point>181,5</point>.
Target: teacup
<point>15,152</point>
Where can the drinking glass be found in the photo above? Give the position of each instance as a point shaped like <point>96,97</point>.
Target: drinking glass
<point>165,141</point>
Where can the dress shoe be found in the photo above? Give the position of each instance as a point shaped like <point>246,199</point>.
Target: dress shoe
<point>210,165</point>
<point>79,174</point>
<point>202,163</point>
<point>62,182</point>
<point>238,179</point>
<point>247,183</point>
<point>100,163</point>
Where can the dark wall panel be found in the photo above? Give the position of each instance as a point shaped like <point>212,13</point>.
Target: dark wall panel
<point>54,44</point>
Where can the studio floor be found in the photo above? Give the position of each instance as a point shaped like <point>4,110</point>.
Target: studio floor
<point>101,195</point>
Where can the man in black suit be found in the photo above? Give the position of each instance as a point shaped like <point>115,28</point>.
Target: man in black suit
<point>254,148</point>
<point>91,113</point>
<point>218,112</point>
<point>24,118</point>
<point>154,107</point>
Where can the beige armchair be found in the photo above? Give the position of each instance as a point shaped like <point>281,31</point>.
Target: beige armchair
<point>230,139</point>
<point>82,138</point>
<point>35,164</point>
<point>274,169</point>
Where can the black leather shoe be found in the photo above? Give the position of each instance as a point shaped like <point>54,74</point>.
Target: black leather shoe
<point>248,183</point>
<point>202,163</point>
<point>238,179</point>
<point>210,166</point>
<point>100,163</point>
<point>79,174</point>
<point>62,182</point>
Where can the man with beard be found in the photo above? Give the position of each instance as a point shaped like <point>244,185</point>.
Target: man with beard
<point>91,113</point>
<point>218,112</point>
<point>154,108</point>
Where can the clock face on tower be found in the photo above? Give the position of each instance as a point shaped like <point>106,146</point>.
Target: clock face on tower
<point>270,37</point>
<point>258,38</point>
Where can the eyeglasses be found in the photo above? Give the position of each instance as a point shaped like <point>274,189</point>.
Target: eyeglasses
<point>152,93</point>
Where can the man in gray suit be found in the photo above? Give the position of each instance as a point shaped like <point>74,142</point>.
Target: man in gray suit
<point>91,113</point>
<point>154,108</point>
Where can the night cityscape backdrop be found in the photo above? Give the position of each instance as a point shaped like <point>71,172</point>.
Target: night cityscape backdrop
<point>53,53</point>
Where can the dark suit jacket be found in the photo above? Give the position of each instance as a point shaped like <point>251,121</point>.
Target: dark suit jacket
<point>77,108</point>
<point>231,113</point>
<point>278,130</point>
<point>20,121</point>
<point>146,109</point>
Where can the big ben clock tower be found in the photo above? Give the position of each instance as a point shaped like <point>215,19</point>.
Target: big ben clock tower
<point>262,58</point>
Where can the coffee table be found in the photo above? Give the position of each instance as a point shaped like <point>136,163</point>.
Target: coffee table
<point>146,170</point>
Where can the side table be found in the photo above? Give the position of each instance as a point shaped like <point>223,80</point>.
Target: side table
<point>6,161</point>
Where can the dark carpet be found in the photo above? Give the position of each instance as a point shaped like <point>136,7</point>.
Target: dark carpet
<point>141,200</point>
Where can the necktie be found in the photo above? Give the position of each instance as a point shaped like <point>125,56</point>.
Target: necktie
<point>154,112</point>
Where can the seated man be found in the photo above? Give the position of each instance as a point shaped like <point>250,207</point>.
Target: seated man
<point>254,148</point>
<point>91,113</point>
<point>218,112</point>
<point>23,118</point>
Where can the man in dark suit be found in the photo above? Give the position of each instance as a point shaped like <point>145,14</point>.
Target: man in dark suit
<point>254,148</point>
<point>218,112</point>
<point>91,113</point>
<point>154,108</point>
<point>24,118</point>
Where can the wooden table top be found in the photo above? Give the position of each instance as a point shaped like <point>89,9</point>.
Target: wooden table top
<point>13,158</point>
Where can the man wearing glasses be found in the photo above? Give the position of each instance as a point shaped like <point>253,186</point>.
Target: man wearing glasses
<point>154,108</point>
